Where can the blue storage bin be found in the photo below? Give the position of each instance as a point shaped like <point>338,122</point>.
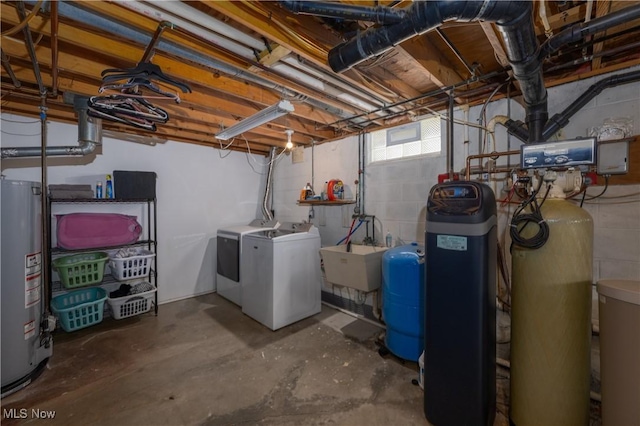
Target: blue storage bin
<point>79,309</point>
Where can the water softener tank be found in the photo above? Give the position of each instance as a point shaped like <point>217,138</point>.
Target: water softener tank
<point>23,354</point>
<point>460,315</point>
<point>551,321</point>
<point>403,300</point>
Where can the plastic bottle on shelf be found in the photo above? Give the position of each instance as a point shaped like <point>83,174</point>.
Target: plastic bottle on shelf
<point>388,239</point>
<point>98,189</point>
<point>109,193</point>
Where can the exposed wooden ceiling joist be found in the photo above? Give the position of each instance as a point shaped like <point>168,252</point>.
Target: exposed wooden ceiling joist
<point>289,61</point>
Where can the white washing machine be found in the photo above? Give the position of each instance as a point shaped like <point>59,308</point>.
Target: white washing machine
<point>229,253</point>
<point>281,278</point>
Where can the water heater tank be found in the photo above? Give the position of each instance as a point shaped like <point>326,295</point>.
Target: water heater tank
<point>23,356</point>
<point>551,321</point>
<point>403,300</point>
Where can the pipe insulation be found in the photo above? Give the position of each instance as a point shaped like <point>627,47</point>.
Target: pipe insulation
<point>514,21</point>
<point>560,120</point>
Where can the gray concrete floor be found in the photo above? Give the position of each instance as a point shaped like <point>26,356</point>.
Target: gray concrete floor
<point>202,362</point>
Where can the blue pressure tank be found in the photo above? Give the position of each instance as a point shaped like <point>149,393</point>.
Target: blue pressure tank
<point>403,300</point>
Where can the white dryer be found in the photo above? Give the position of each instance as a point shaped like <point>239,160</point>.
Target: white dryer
<point>281,277</point>
<point>229,253</point>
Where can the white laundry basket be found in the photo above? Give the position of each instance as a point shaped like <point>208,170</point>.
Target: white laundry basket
<point>132,267</point>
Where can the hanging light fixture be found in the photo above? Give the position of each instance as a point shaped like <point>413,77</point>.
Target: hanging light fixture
<point>289,144</point>
<point>257,119</point>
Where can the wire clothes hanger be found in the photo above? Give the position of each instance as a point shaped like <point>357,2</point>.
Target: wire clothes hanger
<point>131,105</point>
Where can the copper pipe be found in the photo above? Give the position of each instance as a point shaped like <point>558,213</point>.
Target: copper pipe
<point>494,155</point>
<point>54,48</point>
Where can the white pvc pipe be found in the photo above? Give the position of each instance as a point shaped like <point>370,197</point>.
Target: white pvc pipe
<point>191,14</point>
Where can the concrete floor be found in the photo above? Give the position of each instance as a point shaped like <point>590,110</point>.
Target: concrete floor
<point>203,362</point>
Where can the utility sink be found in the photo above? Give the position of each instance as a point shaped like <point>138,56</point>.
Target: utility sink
<point>360,269</point>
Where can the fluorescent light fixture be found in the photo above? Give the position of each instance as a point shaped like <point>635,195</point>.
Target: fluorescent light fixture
<point>257,119</point>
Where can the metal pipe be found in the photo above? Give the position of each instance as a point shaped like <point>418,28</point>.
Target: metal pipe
<point>75,12</point>
<point>266,211</point>
<point>89,135</point>
<point>224,44</point>
<point>493,155</point>
<point>430,94</point>
<point>379,15</point>
<point>54,48</point>
<point>450,137</point>
<point>7,67</point>
<point>150,50</point>
<point>514,20</point>
<point>31,48</point>
<point>234,41</point>
<point>44,204</point>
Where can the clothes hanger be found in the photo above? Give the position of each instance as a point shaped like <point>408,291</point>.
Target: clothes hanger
<point>142,70</point>
<point>131,106</point>
<point>133,86</point>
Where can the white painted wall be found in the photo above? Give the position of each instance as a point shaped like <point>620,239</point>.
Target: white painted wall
<point>197,191</point>
<point>396,191</point>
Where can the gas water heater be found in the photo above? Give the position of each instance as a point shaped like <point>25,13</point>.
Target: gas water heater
<point>460,315</point>
<point>25,350</point>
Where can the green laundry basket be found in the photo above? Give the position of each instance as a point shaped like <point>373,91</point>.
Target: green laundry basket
<point>80,270</point>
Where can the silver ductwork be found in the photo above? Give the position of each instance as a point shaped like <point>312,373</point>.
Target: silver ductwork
<point>89,135</point>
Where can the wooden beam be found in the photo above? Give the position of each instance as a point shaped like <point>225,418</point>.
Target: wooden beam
<point>190,73</point>
<point>563,19</point>
<point>300,34</point>
<point>437,67</point>
<point>496,43</point>
<point>269,58</point>
<point>185,117</point>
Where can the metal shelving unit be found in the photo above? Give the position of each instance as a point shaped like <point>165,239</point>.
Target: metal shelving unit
<point>149,241</point>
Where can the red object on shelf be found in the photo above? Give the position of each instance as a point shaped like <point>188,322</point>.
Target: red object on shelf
<point>335,190</point>
<point>444,177</point>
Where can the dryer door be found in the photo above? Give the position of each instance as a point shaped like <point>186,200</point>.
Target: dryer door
<point>228,264</point>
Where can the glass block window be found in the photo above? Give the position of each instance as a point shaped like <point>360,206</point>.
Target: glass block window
<point>409,140</point>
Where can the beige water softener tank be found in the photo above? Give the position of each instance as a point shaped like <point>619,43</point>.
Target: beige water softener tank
<point>619,307</point>
<point>551,321</point>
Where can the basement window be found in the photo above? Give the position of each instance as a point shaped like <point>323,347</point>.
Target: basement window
<point>409,140</point>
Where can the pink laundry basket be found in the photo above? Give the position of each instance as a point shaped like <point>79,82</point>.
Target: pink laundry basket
<point>92,230</point>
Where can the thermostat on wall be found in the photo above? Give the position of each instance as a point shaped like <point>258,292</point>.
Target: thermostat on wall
<point>613,157</point>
